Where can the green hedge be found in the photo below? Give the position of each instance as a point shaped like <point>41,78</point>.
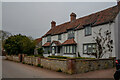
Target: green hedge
<point>83,58</point>
<point>58,57</point>
<point>63,57</point>
<point>38,55</point>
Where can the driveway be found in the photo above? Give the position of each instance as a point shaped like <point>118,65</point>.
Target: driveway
<point>12,69</point>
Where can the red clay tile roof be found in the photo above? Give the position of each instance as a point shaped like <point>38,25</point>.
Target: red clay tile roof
<point>69,41</point>
<point>98,18</point>
<point>47,44</point>
<point>38,40</point>
<point>57,43</point>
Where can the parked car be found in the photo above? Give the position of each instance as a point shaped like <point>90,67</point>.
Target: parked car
<point>117,73</point>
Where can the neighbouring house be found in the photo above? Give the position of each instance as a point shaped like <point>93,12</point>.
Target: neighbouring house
<point>38,45</point>
<point>74,38</point>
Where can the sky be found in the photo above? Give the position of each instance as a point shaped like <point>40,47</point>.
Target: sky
<point>34,18</point>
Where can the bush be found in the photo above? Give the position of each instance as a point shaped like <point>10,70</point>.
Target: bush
<point>59,70</point>
<point>17,44</point>
<point>23,62</point>
<point>58,57</point>
<point>40,50</point>
<point>63,57</point>
<point>39,66</point>
<point>38,55</point>
<point>83,58</point>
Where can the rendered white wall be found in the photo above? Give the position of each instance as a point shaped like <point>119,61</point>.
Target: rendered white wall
<point>81,39</point>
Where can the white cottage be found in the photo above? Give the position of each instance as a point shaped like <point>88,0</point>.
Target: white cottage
<point>73,38</point>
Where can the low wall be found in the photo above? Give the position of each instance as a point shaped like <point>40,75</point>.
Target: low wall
<point>16,58</point>
<point>71,66</point>
<point>82,66</point>
<point>54,64</point>
<point>13,58</point>
<point>31,60</point>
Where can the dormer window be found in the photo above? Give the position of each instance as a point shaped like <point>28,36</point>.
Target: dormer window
<point>59,37</point>
<point>70,34</point>
<point>48,38</point>
<point>88,30</point>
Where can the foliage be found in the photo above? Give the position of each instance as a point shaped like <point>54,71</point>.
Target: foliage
<point>83,58</point>
<point>48,52</point>
<point>59,70</point>
<point>19,44</point>
<point>4,35</point>
<point>23,62</point>
<point>58,57</point>
<point>40,50</point>
<point>38,55</point>
<point>62,57</point>
<point>104,43</point>
<point>39,66</point>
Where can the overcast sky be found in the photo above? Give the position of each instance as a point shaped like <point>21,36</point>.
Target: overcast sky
<point>34,18</point>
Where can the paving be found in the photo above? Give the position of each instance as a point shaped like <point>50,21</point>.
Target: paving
<point>12,69</point>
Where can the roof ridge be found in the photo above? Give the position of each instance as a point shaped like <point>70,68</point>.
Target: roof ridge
<point>94,18</point>
<point>88,15</point>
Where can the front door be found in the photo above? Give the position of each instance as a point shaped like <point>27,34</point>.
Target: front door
<point>53,50</point>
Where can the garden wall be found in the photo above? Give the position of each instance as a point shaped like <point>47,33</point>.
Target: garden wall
<point>54,64</point>
<point>82,66</point>
<point>13,58</point>
<point>71,66</point>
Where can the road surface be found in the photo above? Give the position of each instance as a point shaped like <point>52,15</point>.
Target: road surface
<point>18,70</point>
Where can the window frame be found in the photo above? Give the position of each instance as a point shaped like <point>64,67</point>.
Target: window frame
<point>89,29</point>
<point>48,38</point>
<point>59,37</point>
<point>68,49</point>
<point>71,34</point>
<point>93,50</point>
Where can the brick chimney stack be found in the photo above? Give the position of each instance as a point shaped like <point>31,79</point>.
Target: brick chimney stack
<point>73,16</point>
<point>53,24</point>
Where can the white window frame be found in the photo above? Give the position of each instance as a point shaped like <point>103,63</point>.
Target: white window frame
<point>88,30</point>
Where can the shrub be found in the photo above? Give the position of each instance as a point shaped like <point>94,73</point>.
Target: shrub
<point>59,70</point>
<point>40,50</point>
<point>23,62</point>
<point>83,58</point>
<point>39,66</point>
<point>38,55</point>
<point>58,57</point>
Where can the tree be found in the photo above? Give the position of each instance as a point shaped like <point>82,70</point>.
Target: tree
<point>40,50</point>
<point>19,44</point>
<point>103,43</point>
<point>3,35</point>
